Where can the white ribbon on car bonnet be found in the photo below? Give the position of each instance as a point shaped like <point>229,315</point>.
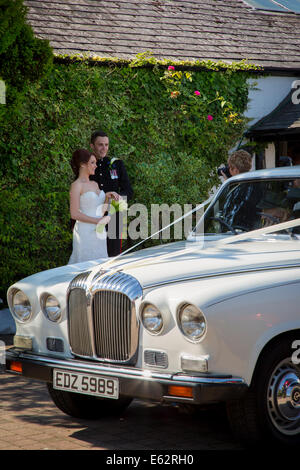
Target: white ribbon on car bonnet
<point>224,241</point>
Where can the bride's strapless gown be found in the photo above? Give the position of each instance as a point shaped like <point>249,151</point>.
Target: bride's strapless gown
<point>86,244</point>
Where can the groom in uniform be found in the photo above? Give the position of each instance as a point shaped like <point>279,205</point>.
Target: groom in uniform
<point>111,175</point>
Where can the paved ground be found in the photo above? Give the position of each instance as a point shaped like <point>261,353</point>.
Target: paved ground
<point>29,420</point>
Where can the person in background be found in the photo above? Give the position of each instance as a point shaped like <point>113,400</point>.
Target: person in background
<point>87,207</point>
<point>274,209</point>
<point>239,161</point>
<point>239,210</point>
<point>111,175</point>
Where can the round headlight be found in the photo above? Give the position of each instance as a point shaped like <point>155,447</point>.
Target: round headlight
<point>191,322</point>
<point>21,306</point>
<point>51,307</point>
<point>152,318</point>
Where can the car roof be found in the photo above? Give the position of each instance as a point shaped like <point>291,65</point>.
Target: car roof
<point>279,172</point>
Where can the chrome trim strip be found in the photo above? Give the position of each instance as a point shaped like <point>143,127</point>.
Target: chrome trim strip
<point>117,281</point>
<point>127,373</point>
<point>79,281</point>
<point>218,274</point>
<point>89,314</point>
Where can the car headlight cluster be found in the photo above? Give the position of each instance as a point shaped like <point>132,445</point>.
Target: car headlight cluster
<point>22,308</point>
<point>51,307</point>
<point>192,322</point>
<point>152,318</point>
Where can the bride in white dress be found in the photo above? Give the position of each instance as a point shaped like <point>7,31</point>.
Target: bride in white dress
<point>87,206</point>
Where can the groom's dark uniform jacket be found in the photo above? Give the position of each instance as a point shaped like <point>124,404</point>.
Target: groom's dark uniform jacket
<point>111,175</point>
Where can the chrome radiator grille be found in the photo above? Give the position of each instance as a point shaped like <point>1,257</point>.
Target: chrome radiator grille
<point>102,318</point>
<point>79,331</point>
<point>112,324</point>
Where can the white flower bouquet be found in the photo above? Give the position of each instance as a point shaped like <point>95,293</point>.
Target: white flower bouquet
<point>115,206</point>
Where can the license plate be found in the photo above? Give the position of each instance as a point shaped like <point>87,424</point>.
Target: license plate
<point>89,384</point>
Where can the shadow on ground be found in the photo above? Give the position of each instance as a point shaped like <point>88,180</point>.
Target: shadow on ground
<point>143,426</point>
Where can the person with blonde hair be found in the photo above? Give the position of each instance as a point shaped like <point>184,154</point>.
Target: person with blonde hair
<point>239,210</point>
<point>239,161</point>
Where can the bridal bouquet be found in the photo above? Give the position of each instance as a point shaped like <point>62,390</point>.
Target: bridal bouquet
<point>115,206</point>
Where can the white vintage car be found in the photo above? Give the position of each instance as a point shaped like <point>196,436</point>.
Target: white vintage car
<point>214,318</point>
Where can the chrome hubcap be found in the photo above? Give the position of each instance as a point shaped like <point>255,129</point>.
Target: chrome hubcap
<point>284,398</point>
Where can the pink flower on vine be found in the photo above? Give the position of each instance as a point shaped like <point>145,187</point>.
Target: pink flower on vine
<point>209,117</point>
<point>197,92</point>
<point>171,67</point>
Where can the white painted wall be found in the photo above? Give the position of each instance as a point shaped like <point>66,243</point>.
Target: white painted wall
<point>270,155</point>
<point>267,95</point>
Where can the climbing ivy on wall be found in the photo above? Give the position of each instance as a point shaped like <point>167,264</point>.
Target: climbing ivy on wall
<point>172,123</point>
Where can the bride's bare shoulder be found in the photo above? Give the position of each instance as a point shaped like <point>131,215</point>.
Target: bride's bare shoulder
<point>76,186</point>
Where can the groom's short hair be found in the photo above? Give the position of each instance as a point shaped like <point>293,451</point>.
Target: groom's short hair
<point>97,134</point>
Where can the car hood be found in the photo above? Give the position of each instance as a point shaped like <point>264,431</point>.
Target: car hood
<point>184,260</point>
<point>54,281</point>
<point>177,261</point>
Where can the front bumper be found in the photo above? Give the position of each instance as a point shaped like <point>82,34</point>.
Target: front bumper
<point>135,383</point>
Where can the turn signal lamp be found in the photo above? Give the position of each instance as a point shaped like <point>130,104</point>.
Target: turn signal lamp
<point>16,366</point>
<point>180,391</point>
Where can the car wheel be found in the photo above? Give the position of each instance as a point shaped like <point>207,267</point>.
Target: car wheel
<point>85,406</point>
<point>270,410</point>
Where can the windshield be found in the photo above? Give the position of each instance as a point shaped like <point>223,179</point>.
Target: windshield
<point>250,205</point>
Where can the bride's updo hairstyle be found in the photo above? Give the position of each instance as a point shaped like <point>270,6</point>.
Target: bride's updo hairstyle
<point>79,156</point>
